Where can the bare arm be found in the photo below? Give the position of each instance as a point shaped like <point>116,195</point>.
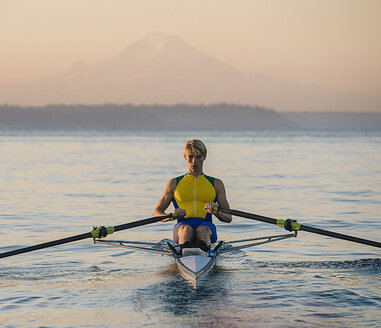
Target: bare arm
<point>222,202</point>
<point>166,199</point>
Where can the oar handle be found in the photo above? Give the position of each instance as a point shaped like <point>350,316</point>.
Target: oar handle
<point>250,216</point>
<point>143,222</point>
<point>297,226</point>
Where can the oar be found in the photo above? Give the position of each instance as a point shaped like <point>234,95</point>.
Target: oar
<point>292,225</point>
<point>95,233</point>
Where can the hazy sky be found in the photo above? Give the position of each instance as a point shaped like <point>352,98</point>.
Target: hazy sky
<point>334,43</point>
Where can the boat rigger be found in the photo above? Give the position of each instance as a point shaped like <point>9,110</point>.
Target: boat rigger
<point>193,263</point>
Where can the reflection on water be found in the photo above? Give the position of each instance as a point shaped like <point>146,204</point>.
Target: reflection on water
<point>57,185</point>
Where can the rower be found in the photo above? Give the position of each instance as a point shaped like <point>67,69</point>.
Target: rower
<point>196,198</point>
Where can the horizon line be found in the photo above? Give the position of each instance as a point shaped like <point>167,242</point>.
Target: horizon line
<point>225,104</point>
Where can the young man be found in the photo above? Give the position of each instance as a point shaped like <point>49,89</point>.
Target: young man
<point>195,197</point>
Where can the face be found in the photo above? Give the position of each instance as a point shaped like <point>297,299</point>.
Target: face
<point>195,162</point>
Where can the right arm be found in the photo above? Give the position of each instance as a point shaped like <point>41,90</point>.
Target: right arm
<point>166,199</point>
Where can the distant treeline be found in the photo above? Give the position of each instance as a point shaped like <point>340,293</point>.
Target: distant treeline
<point>177,117</point>
<point>335,121</point>
<point>141,117</point>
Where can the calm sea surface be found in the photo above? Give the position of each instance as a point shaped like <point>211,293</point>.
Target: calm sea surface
<point>54,185</point>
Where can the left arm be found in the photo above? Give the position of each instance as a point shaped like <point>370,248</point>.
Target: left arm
<point>221,200</point>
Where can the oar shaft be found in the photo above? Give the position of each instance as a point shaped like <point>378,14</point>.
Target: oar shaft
<point>46,245</point>
<point>66,240</point>
<point>250,216</point>
<point>140,223</point>
<point>340,236</point>
<point>304,228</point>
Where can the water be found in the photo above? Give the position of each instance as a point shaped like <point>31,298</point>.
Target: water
<point>55,185</point>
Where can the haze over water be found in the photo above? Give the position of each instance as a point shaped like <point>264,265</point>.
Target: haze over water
<point>58,184</point>
<point>288,55</point>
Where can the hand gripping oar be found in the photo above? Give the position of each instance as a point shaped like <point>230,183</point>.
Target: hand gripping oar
<point>292,225</point>
<point>95,233</point>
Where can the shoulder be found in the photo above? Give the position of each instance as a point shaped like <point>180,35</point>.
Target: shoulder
<point>179,178</point>
<point>171,184</point>
<point>218,184</point>
<point>210,179</point>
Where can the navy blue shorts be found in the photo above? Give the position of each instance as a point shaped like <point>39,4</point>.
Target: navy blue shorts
<point>194,223</point>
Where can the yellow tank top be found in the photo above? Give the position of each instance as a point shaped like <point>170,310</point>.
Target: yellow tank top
<point>192,193</point>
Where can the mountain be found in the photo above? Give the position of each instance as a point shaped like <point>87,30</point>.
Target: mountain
<point>167,70</point>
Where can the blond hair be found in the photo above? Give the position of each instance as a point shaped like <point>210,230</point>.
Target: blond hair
<point>196,146</point>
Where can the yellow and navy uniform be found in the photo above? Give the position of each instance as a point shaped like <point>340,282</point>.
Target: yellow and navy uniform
<point>192,193</point>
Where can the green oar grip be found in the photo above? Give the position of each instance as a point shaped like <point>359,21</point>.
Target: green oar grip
<point>174,216</point>
<point>295,226</point>
<point>99,232</point>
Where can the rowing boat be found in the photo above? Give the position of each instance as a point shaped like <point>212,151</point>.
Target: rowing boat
<point>193,263</point>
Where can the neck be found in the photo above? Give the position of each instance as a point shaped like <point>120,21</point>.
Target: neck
<point>195,174</point>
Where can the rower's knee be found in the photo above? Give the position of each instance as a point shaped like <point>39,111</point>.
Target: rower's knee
<point>203,233</point>
<point>185,233</point>
<point>184,228</point>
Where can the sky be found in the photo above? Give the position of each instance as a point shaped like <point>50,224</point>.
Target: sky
<point>330,43</point>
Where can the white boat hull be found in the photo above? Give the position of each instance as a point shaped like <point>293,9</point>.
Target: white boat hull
<point>194,264</point>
